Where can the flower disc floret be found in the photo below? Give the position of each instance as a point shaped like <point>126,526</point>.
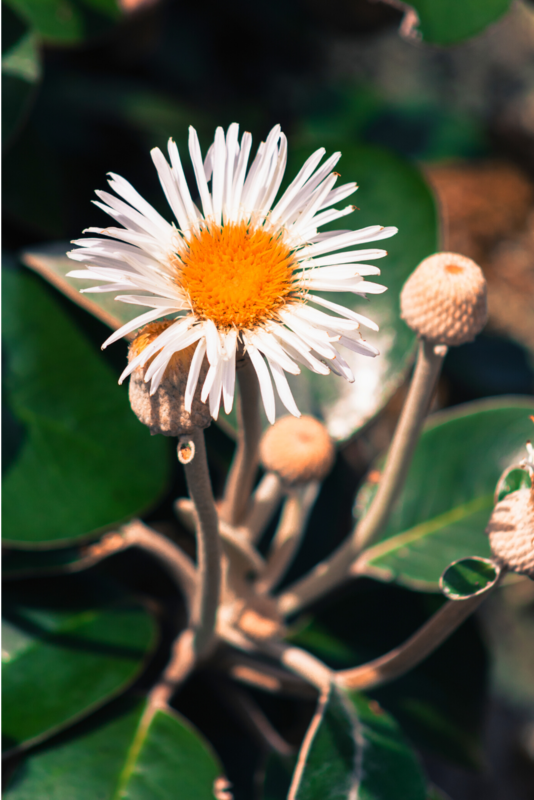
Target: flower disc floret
<point>236,275</point>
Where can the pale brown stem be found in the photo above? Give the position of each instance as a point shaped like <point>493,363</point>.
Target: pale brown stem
<point>176,562</point>
<point>180,665</point>
<point>300,662</point>
<point>334,570</point>
<point>232,538</point>
<point>264,503</point>
<point>267,677</point>
<point>243,471</point>
<point>209,550</point>
<point>288,536</point>
<point>414,650</point>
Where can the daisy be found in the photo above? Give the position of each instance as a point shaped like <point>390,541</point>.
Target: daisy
<point>241,275</point>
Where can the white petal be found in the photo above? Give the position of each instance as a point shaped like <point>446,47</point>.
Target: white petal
<point>181,182</point>
<point>366,287</point>
<point>198,167</point>
<point>213,342</point>
<point>295,186</point>
<point>283,389</point>
<point>264,380</point>
<point>194,372</point>
<point>347,312</point>
<point>138,322</point>
<point>219,173</point>
<point>170,188</point>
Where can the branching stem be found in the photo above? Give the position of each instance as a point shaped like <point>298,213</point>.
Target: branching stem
<point>335,569</point>
<point>429,637</point>
<point>208,592</point>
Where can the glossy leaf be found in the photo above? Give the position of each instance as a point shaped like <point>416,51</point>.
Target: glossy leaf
<point>446,503</point>
<point>66,21</point>
<point>27,563</point>
<point>450,21</point>
<point>392,192</point>
<point>354,749</point>
<point>117,755</point>
<point>469,577</point>
<point>21,72</point>
<point>76,448</point>
<point>59,665</point>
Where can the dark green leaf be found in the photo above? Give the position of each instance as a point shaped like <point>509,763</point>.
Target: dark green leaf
<point>59,665</point>
<point>451,21</point>
<point>353,748</point>
<point>468,577</point>
<point>444,508</point>
<point>121,754</point>
<point>21,72</point>
<point>82,456</point>
<point>66,21</point>
<point>26,563</point>
<point>513,480</point>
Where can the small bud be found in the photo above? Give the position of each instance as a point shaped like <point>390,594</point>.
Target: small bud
<point>164,411</point>
<point>445,299</point>
<point>511,532</point>
<point>298,450</point>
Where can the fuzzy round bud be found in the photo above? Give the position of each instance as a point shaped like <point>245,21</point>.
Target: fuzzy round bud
<point>511,532</point>
<point>445,299</point>
<point>164,411</point>
<point>298,450</point>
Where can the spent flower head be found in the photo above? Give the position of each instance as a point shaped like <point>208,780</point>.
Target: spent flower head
<point>245,274</point>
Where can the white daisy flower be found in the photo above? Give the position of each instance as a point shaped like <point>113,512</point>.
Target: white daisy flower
<point>242,275</point>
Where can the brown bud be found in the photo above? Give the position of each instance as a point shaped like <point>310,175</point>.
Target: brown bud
<point>511,532</point>
<point>445,299</point>
<point>298,450</point>
<point>164,411</point>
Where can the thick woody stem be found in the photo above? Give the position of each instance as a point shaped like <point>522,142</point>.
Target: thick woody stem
<point>334,570</point>
<point>243,470</point>
<point>414,650</point>
<point>209,551</point>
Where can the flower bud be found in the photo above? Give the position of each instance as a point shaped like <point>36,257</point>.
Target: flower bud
<point>164,411</point>
<point>511,532</point>
<point>445,299</point>
<point>298,450</point>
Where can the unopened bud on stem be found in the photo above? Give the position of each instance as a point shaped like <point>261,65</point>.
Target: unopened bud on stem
<point>511,531</point>
<point>445,299</point>
<point>298,450</point>
<point>164,411</point>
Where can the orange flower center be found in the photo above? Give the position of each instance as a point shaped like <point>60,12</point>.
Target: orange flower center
<point>236,276</point>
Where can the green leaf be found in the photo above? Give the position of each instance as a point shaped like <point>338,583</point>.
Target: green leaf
<point>66,21</point>
<point>354,749</point>
<point>121,754</point>
<point>444,507</point>
<point>514,479</point>
<point>468,577</point>
<point>450,21</point>
<point>80,453</point>
<point>59,665</point>
<point>21,72</point>
<point>392,192</point>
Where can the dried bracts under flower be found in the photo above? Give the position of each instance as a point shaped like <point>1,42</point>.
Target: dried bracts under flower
<point>244,274</point>
<point>175,409</point>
